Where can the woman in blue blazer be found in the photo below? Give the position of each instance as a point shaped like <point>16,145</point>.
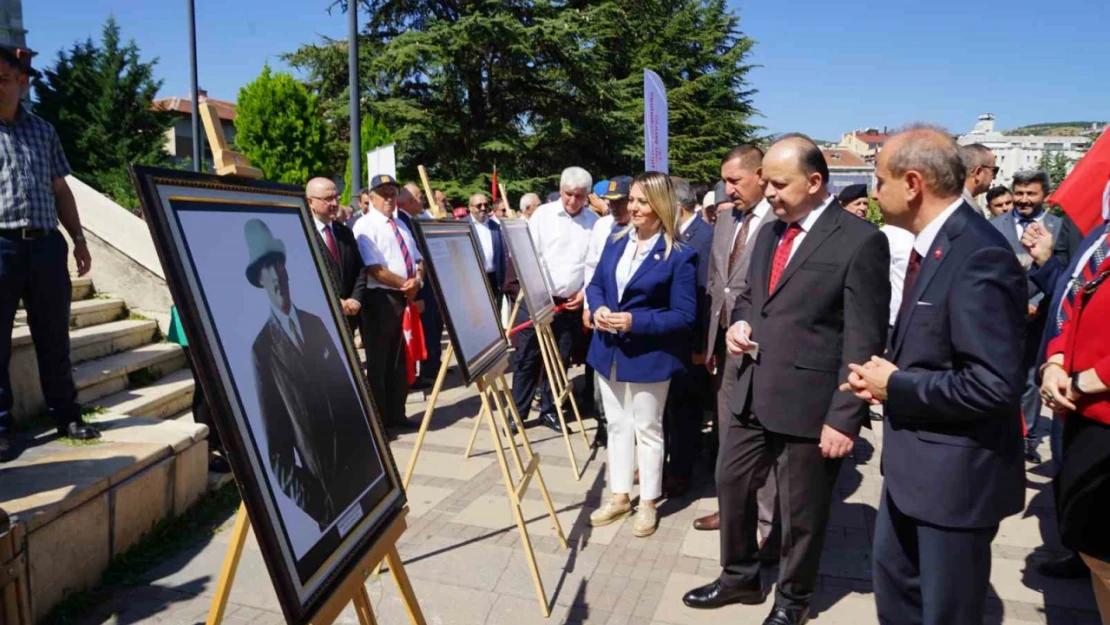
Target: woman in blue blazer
<point>642,301</point>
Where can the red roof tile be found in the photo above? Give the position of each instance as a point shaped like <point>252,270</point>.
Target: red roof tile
<point>184,106</point>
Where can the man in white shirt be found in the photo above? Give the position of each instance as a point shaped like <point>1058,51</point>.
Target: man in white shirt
<point>560,231</point>
<point>394,275</point>
<point>901,245</point>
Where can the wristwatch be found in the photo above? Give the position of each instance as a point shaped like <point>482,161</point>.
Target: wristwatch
<point>1075,384</point>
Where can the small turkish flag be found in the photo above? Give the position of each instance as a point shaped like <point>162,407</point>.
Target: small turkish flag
<point>415,349</point>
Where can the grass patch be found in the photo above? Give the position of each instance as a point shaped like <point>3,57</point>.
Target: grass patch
<point>135,316</point>
<point>101,296</point>
<point>167,538</point>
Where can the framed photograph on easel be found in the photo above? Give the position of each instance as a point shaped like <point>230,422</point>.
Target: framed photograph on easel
<point>537,297</point>
<point>274,357</point>
<point>450,251</point>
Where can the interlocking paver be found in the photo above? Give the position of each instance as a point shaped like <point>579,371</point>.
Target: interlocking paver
<point>467,565</point>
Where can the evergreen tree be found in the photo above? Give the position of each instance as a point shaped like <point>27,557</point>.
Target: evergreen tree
<point>373,135</point>
<point>99,99</point>
<point>1056,165</point>
<point>280,128</point>
<point>534,86</point>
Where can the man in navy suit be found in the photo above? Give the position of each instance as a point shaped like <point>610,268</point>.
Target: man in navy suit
<point>689,388</point>
<point>491,242</point>
<point>952,448</point>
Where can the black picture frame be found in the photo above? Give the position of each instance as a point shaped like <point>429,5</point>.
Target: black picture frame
<point>305,572</point>
<point>522,250</point>
<point>466,270</point>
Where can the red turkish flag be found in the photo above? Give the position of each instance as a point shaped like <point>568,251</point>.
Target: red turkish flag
<point>415,350</point>
<point>1080,194</point>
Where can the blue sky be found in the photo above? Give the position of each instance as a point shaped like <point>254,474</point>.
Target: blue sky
<point>827,67</point>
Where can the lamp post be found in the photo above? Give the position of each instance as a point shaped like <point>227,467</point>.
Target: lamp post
<point>193,78</point>
<point>352,68</point>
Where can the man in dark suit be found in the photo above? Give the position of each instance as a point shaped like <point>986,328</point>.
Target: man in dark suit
<point>743,212</point>
<point>952,453</point>
<point>340,248</point>
<point>817,299</point>
<point>316,435</point>
<point>1030,190</point>
<point>685,400</point>
<point>491,242</point>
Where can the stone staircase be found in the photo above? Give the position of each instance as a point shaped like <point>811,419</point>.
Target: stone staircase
<point>83,504</point>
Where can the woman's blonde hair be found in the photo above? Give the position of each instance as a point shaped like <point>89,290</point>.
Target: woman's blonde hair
<point>660,196</point>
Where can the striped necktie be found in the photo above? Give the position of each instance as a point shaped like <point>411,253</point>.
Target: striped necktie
<point>1102,250</point>
<point>409,267</point>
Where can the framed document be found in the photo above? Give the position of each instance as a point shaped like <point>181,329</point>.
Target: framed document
<point>451,255</point>
<point>537,297</point>
<point>273,354</point>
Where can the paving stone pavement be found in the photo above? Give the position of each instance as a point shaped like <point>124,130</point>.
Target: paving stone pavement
<point>467,565</point>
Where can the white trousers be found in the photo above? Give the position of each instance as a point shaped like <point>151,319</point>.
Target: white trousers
<point>635,416</point>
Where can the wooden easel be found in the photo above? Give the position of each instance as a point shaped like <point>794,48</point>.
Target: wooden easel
<point>352,589</point>
<point>495,395</point>
<point>558,381</point>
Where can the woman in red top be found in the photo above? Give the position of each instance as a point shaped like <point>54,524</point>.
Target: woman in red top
<point>1076,385</point>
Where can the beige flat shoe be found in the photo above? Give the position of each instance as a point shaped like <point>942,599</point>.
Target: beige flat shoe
<point>645,522</point>
<point>609,512</point>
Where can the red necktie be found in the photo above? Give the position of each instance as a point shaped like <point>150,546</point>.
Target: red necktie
<point>912,269</point>
<point>329,240</point>
<point>782,254</point>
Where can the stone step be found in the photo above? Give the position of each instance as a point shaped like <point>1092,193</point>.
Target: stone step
<point>82,288</point>
<point>169,396</point>
<point>97,341</point>
<point>132,369</point>
<point>88,312</point>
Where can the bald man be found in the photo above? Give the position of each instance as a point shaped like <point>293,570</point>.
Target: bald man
<point>339,247</point>
<point>817,298</point>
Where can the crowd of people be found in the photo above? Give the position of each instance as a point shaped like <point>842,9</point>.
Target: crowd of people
<point>765,300</point>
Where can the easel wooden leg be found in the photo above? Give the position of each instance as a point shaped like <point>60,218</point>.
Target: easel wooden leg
<point>561,372</point>
<point>363,608</point>
<point>426,421</point>
<point>397,569</point>
<point>549,349</point>
<point>514,497</point>
<point>231,565</point>
<point>501,390</point>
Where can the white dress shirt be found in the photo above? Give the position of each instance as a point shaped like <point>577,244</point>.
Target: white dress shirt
<point>290,324</point>
<point>600,233</point>
<point>485,241</point>
<point>378,246</point>
<point>901,244</point>
<point>807,225</point>
<point>631,260</point>
<point>929,233</point>
<point>562,243</point>
<point>753,226</point>
<point>1017,221</point>
<point>684,226</point>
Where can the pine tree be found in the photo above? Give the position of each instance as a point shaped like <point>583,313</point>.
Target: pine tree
<point>280,128</point>
<point>99,98</point>
<point>534,86</point>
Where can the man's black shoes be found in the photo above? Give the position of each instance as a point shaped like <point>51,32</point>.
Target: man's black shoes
<point>551,420</point>
<point>782,615</point>
<point>715,595</point>
<point>1031,454</point>
<point>78,430</point>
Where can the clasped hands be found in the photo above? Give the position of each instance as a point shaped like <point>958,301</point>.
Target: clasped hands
<point>610,321</point>
<point>869,381</point>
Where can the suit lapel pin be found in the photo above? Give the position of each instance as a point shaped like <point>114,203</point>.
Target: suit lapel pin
<point>657,257</point>
<point>936,254</point>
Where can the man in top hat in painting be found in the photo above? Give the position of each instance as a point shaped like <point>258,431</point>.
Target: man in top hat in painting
<point>318,439</point>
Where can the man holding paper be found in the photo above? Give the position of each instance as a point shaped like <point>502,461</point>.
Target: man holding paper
<point>816,300</point>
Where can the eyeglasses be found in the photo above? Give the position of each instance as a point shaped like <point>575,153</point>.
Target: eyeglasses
<point>993,170</point>
<point>484,205</point>
<point>326,200</point>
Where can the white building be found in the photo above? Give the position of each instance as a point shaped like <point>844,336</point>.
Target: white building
<point>1014,153</point>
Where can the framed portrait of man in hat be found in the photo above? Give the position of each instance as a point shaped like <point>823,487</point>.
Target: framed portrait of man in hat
<point>275,358</point>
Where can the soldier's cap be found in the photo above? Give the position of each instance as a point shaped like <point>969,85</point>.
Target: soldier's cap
<point>619,188</point>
